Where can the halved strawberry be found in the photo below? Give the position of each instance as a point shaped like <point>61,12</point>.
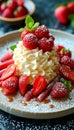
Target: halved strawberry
<point>10,70</point>
<point>39,85</point>
<point>23,82</point>
<point>2,71</point>
<point>67,73</point>
<point>66,60</point>
<point>10,85</point>
<point>59,90</point>
<point>6,63</point>
<point>29,95</point>
<point>7,56</point>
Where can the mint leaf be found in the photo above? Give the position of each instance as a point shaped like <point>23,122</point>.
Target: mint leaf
<point>72,24</point>
<point>35,25</point>
<point>21,29</point>
<point>12,47</point>
<point>29,21</point>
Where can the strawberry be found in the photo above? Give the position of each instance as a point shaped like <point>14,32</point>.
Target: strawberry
<point>42,31</point>
<point>59,47</point>
<point>2,71</point>
<point>12,5</point>
<point>20,11</point>
<point>30,41</point>
<point>10,70</point>
<point>46,44</point>
<point>71,7</point>
<point>61,13</point>
<point>8,13</point>
<point>59,90</point>
<point>10,85</point>
<point>67,73</point>
<point>67,61</point>
<point>23,82</point>
<point>29,95</point>
<point>65,52</point>
<point>6,63</point>
<point>39,85</point>
<point>7,56</point>
<point>0,83</point>
<point>24,33</point>
<point>3,7</point>
<point>20,2</point>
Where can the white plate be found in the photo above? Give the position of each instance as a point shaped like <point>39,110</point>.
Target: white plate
<point>34,109</point>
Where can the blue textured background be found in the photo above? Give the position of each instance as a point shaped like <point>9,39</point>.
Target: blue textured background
<point>45,15</point>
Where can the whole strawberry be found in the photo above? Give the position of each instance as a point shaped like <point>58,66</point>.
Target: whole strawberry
<point>59,90</point>
<point>41,32</point>
<point>30,41</point>
<point>65,52</point>
<point>20,11</point>
<point>46,44</point>
<point>61,13</point>
<point>8,13</point>
<point>71,7</point>
<point>12,4</point>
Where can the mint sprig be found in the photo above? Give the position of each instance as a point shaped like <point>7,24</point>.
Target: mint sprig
<point>67,83</point>
<point>12,47</point>
<point>30,24</point>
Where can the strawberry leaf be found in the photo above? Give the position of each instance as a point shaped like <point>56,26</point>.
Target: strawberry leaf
<point>72,24</point>
<point>71,17</point>
<point>66,83</point>
<point>12,47</point>
<point>62,4</point>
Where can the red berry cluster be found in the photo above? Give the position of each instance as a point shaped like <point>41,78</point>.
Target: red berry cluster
<point>40,38</point>
<point>65,13</point>
<point>13,8</point>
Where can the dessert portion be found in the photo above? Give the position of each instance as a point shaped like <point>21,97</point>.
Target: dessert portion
<point>34,62</point>
<point>36,67</point>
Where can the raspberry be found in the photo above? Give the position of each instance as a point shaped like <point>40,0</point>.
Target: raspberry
<point>41,32</point>
<point>46,44</point>
<point>24,33</point>
<point>59,90</point>
<point>30,41</point>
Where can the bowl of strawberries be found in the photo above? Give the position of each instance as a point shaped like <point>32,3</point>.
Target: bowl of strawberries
<point>15,11</point>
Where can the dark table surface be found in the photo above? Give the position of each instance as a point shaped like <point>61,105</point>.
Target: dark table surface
<point>45,15</point>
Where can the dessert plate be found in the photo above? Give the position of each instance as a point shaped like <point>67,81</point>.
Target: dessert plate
<point>50,108</point>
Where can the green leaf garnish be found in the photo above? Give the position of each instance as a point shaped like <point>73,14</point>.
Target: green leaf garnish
<point>66,83</point>
<point>12,47</point>
<point>72,24</point>
<point>30,24</point>
<point>62,4</point>
<point>21,29</point>
<point>71,17</point>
